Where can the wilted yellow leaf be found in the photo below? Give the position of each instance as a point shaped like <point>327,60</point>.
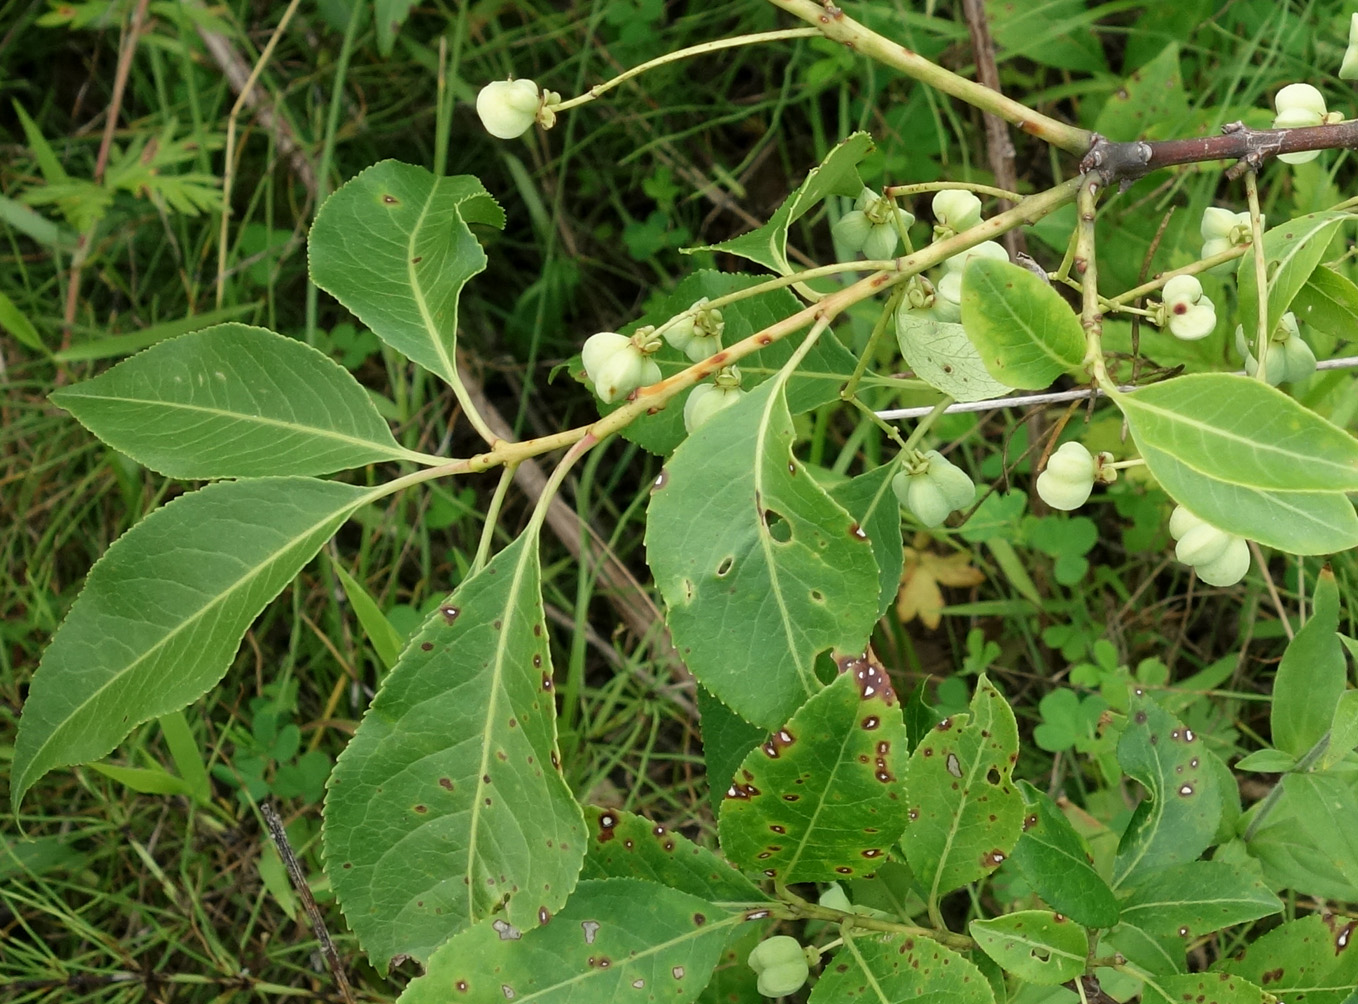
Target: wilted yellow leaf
<point>924,572</point>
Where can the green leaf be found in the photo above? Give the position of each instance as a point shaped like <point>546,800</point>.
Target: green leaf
<point>1292,251</point>
<point>163,611</point>
<point>837,174</point>
<point>1343,730</point>
<point>826,368</point>
<point>1197,898</point>
<point>394,246</point>
<point>456,765</point>
<point>1312,959</point>
<point>870,500</point>
<point>1243,432</point>
<point>1155,954</point>
<point>13,320</point>
<point>1219,988</point>
<point>758,566</point>
<point>965,815</point>
<point>616,940</point>
<point>1296,522</point>
<point>1054,861</point>
<point>143,780</point>
<point>386,641</point>
<point>1294,852</point>
<point>114,346</point>
<point>819,800</point>
<point>899,967</point>
<point>1312,675</point>
<point>1026,334</point>
<point>233,401</point>
<point>1178,818</point>
<point>625,845</point>
<point>1327,804</point>
<point>1039,946</point>
<point>727,739</point>
<point>1148,102</point>
<point>1328,302</point>
<point>1267,762</point>
<point>941,354</point>
<point>388,17</point>
<point>36,856</point>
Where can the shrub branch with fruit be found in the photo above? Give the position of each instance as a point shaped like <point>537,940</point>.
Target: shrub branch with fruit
<point>451,835</point>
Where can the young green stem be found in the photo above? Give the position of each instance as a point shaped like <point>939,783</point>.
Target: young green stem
<point>678,54</point>
<point>835,25</point>
<point>886,317</point>
<point>900,191</point>
<point>1091,317</point>
<point>1260,274</point>
<point>493,517</point>
<point>653,398</point>
<point>1270,801</point>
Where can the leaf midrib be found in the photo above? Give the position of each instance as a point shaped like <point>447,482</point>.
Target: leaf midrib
<point>242,417</point>
<point>766,538</point>
<point>1133,402</point>
<point>527,557</point>
<point>216,601</point>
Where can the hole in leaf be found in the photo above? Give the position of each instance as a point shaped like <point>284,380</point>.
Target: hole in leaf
<point>725,565</point>
<point>778,527</point>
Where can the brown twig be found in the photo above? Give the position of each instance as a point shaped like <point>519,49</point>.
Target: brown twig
<point>1123,163</point>
<point>299,883</point>
<point>115,106</point>
<point>999,144</point>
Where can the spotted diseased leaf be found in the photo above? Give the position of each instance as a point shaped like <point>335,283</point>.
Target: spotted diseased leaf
<point>1312,676</point>
<point>758,566</point>
<point>1177,819</point>
<point>820,800</point>
<point>616,940</point>
<point>1197,898</point>
<point>1311,960</point>
<point>1039,946</point>
<point>941,354</point>
<point>965,815</point>
<point>449,804</point>
<point>899,968</point>
<point>870,500</point>
<point>1219,988</point>
<point>1054,861</point>
<point>625,845</point>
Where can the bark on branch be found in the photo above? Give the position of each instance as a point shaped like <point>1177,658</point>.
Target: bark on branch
<point>1123,163</point>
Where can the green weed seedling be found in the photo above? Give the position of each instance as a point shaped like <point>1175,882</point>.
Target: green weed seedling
<point>451,835</point>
